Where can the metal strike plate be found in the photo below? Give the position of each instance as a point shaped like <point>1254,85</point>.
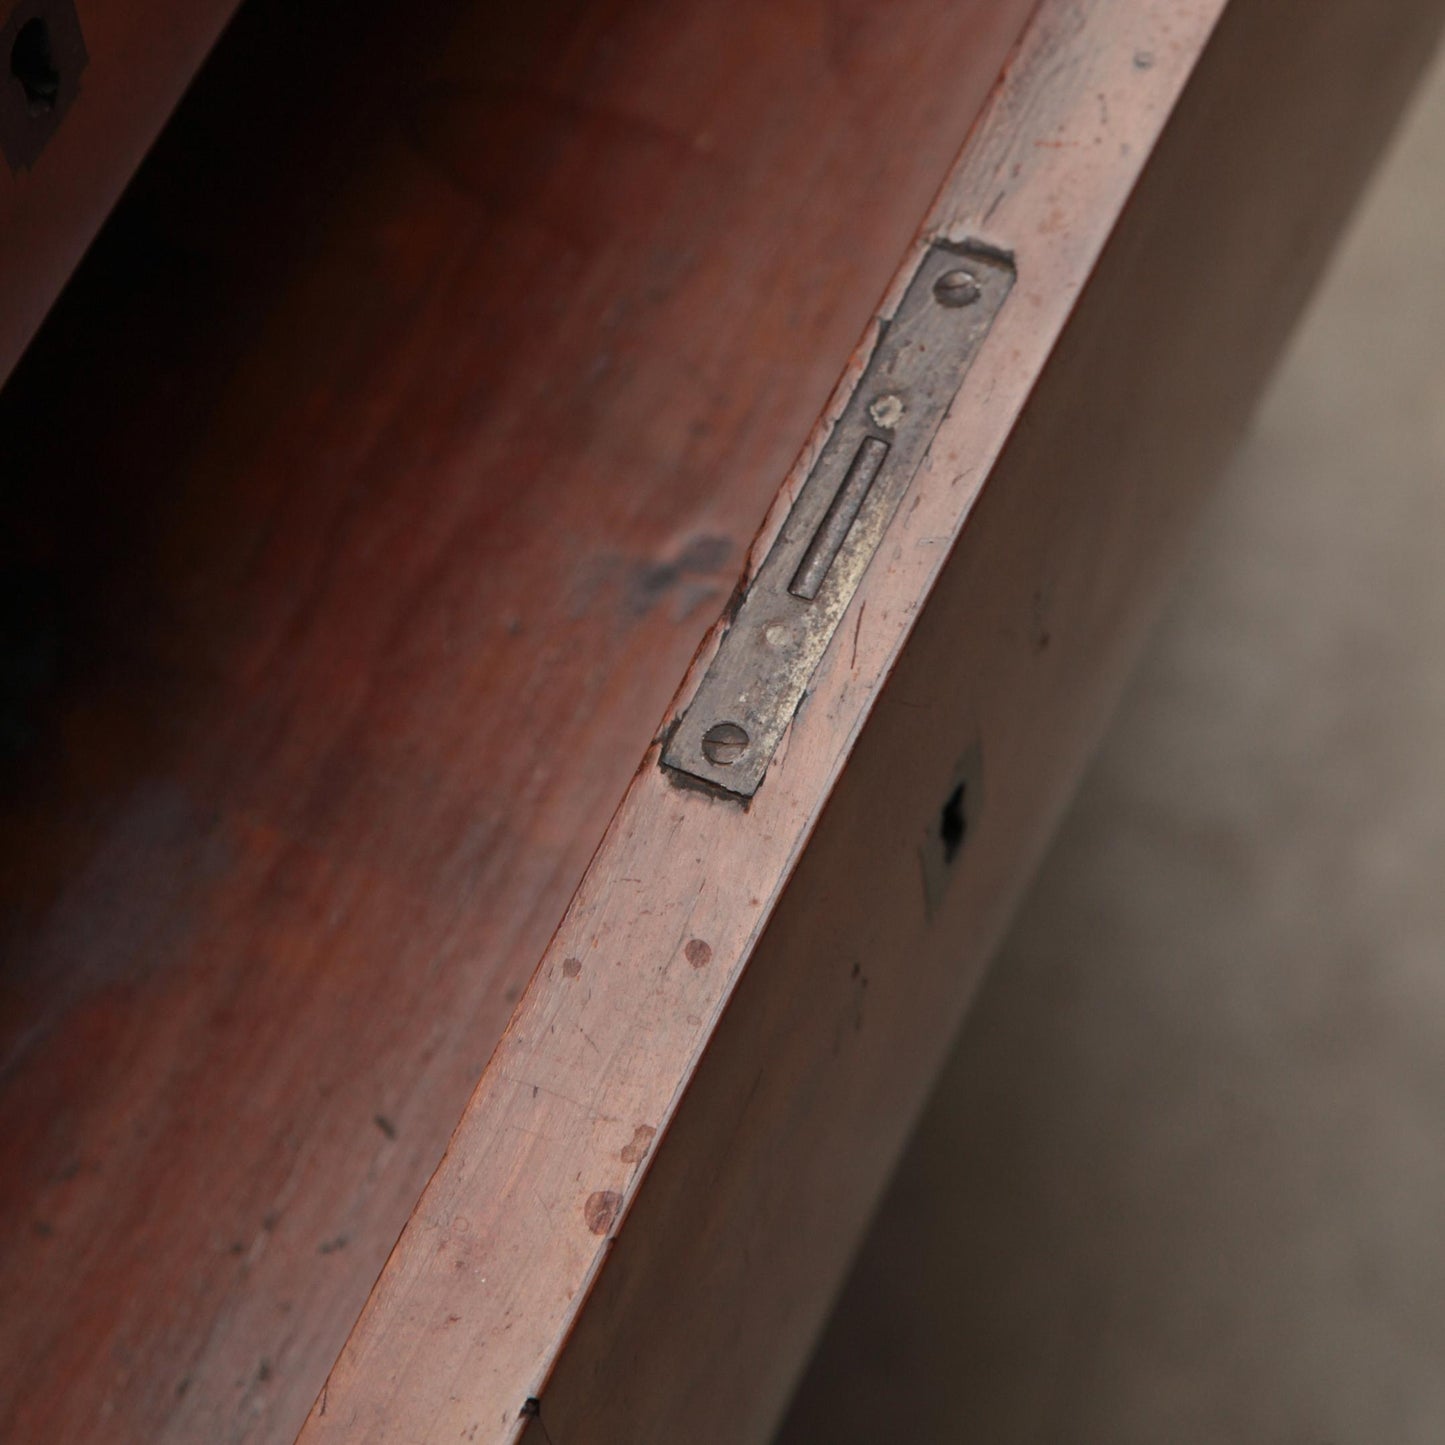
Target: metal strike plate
<point>784,623</point>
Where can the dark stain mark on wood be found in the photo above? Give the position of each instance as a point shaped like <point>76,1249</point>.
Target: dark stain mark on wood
<point>699,954</point>
<point>571,967</point>
<point>635,1151</point>
<point>333,1246</point>
<point>385,1125</point>
<point>702,557</point>
<point>601,1210</point>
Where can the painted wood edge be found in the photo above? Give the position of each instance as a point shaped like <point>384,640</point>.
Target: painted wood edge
<point>467,1318</point>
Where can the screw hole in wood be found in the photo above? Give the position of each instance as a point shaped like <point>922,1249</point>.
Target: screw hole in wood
<point>32,63</point>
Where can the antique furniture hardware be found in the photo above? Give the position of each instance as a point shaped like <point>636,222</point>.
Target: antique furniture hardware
<point>791,610</point>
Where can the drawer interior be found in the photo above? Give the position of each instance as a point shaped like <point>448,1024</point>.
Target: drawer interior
<point>366,495</point>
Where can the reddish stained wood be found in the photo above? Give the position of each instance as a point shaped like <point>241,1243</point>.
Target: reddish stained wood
<point>370,490</point>
<point>777,1106</point>
<point>141,58</point>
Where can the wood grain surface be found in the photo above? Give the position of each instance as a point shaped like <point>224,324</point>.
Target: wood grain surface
<point>139,58</point>
<point>366,496</point>
<point>640,1218</point>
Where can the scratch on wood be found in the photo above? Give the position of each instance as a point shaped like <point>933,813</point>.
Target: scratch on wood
<point>546,1209</point>
<point>543,1089</point>
<point>531,1133</point>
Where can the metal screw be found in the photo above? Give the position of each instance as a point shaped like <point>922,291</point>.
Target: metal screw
<point>957,288</point>
<point>887,411</point>
<point>724,744</point>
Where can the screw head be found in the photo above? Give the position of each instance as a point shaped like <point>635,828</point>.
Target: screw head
<point>724,743</point>
<point>887,411</point>
<point>957,288</point>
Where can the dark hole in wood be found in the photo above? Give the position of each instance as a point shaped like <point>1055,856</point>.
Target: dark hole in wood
<point>32,65</point>
<point>952,825</point>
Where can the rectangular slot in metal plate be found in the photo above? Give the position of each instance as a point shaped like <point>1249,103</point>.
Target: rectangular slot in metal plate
<point>789,614</point>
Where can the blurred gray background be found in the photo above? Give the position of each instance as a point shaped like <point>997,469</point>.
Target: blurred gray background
<point>1184,1178</point>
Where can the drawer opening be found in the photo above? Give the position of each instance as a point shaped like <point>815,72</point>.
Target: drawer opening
<point>367,493</point>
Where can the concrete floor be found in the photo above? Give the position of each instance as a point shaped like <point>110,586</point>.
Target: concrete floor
<point>1184,1179</point>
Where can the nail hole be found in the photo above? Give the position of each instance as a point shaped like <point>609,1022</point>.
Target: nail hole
<point>953,825</point>
<point>724,743</point>
<point>31,64</point>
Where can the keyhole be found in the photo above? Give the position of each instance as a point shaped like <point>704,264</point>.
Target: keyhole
<point>31,64</point>
<point>952,825</point>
